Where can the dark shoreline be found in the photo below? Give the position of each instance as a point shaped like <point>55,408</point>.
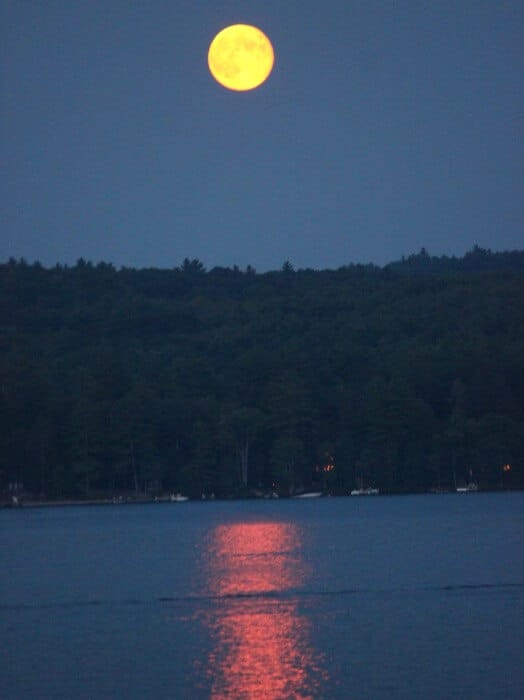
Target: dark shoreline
<point>71,502</point>
<point>84,502</point>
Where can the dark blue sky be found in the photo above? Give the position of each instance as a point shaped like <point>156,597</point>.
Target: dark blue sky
<point>384,127</point>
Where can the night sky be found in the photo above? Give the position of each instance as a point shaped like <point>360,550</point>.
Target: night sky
<point>384,127</point>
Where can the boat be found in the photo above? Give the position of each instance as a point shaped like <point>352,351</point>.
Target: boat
<point>365,492</point>
<point>178,498</point>
<point>309,494</point>
<point>470,487</point>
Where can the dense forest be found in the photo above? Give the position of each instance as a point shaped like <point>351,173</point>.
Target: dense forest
<point>122,381</point>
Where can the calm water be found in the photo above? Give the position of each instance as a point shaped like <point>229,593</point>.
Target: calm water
<point>405,597</point>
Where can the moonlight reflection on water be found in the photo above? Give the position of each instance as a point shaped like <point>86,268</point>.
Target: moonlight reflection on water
<point>261,642</point>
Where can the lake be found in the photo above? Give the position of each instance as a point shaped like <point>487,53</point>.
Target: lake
<point>375,597</point>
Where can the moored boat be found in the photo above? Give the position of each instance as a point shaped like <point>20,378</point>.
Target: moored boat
<point>470,487</point>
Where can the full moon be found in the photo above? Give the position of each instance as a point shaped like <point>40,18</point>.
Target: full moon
<point>240,57</point>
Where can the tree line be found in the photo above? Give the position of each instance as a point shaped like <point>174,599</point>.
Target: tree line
<point>225,381</point>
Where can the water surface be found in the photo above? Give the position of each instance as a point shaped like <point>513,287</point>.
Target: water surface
<point>404,597</point>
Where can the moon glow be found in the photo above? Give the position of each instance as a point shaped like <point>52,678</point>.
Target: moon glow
<point>240,57</point>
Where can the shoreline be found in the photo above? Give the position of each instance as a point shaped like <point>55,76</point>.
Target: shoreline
<point>59,503</point>
<point>71,502</point>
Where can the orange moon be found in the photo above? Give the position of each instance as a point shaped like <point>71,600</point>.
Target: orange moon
<point>240,57</point>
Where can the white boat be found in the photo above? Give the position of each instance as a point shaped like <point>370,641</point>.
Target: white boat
<point>309,494</point>
<point>365,492</point>
<point>469,488</point>
<point>178,498</point>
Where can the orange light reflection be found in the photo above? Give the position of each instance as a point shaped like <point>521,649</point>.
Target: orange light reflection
<point>261,642</point>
